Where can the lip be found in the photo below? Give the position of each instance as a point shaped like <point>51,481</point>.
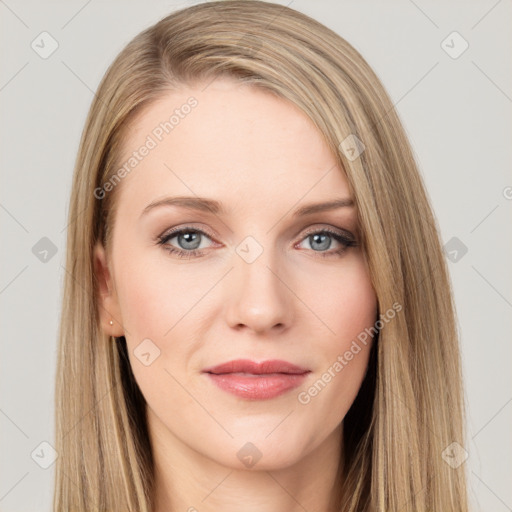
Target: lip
<point>257,381</point>
<point>248,366</point>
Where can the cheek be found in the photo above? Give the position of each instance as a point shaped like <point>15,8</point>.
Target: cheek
<point>347,305</point>
<point>154,294</point>
<point>160,302</point>
<point>344,300</point>
<point>154,305</point>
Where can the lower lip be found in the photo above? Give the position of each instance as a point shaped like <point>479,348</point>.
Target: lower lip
<point>257,387</point>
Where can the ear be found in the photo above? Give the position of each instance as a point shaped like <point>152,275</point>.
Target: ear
<point>108,304</point>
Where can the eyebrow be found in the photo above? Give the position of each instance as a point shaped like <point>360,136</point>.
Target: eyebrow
<point>213,206</point>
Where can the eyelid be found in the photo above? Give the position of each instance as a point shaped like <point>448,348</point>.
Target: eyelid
<point>187,227</point>
<point>329,229</point>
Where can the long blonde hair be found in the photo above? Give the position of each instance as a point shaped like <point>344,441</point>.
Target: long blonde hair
<point>410,407</point>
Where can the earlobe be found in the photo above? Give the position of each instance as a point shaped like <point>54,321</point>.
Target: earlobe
<point>106,296</point>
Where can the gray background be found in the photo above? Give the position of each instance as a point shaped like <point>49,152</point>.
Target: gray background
<point>455,110</point>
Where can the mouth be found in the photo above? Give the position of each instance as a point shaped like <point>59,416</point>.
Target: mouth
<point>257,381</point>
<point>250,367</point>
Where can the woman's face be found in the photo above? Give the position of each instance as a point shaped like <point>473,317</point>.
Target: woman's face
<point>254,276</point>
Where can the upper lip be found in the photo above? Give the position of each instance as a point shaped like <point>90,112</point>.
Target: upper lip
<point>248,366</point>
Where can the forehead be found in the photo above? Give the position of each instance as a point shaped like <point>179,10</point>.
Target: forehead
<point>230,141</point>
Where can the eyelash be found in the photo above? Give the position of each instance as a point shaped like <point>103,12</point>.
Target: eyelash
<point>180,253</point>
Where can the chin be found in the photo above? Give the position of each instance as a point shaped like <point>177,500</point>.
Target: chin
<point>259,454</point>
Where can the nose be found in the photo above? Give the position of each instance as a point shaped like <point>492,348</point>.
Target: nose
<point>258,297</point>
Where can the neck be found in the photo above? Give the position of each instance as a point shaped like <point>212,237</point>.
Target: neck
<point>186,480</point>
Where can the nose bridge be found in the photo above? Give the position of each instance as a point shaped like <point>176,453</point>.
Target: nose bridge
<point>256,294</point>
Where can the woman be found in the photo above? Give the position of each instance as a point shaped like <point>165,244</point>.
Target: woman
<point>257,313</point>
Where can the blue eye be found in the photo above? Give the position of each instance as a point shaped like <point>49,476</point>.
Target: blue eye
<point>189,239</point>
<point>189,242</point>
<point>321,240</point>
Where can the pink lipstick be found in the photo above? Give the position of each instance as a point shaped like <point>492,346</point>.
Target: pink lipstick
<point>257,381</point>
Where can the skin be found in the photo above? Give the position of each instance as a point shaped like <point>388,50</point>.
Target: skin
<point>262,158</point>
